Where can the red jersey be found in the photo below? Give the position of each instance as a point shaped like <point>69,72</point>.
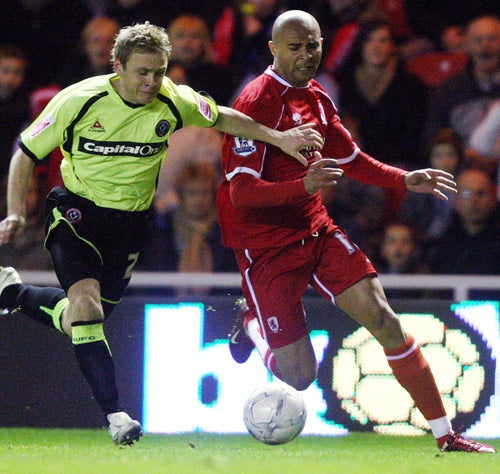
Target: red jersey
<point>276,209</point>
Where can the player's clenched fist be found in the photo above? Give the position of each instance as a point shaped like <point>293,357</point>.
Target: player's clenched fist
<point>9,227</point>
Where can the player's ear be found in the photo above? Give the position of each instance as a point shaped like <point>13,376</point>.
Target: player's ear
<point>271,47</point>
<point>118,67</point>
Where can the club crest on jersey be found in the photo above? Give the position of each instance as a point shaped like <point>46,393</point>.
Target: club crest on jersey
<point>162,128</point>
<point>273,324</point>
<point>41,126</point>
<point>244,146</point>
<point>73,215</point>
<point>297,118</point>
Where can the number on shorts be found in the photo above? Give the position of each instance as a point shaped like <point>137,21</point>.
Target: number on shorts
<point>345,242</point>
<point>132,258</point>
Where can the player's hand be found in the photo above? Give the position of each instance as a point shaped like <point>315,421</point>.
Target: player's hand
<point>299,139</point>
<point>9,227</point>
<point>322,173</point>
<point>431,181</point>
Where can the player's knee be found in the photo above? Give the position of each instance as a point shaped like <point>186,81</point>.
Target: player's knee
<point>300,378</point>
<point>85,307</point>
<point>386,326</point>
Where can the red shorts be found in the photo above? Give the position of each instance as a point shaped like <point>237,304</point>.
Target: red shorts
<point>275,279</point>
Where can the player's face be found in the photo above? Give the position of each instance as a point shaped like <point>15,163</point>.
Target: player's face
<point>141,78</point>
<point>297,54</point>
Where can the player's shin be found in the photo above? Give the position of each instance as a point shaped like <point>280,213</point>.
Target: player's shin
<point>95,361</point>
<point>44,305</point>
<point>414,374</point>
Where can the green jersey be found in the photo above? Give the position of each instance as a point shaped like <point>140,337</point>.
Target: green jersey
<point>113,150</point>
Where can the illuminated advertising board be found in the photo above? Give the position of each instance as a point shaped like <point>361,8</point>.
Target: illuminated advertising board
<point>192,384</point>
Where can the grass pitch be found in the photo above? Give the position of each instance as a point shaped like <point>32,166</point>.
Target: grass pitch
<point>42,451</point>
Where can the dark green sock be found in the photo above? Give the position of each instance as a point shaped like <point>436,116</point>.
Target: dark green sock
<point>95,361</point>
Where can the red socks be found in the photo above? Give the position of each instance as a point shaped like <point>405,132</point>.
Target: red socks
<point>414,374</point>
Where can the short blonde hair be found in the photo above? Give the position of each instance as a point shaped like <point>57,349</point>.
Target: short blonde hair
<point>143,38</point>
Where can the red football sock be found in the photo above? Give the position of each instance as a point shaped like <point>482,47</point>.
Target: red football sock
<point>414,374</point>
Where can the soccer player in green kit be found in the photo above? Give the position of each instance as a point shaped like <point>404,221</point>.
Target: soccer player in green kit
<point>113,131</point>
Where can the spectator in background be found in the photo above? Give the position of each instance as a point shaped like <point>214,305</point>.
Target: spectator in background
<point>192,48</point>
<point>27,250</point>
<point>462,101</point>
<point>57,28</point>
<point>387,102</point>
<point>14,106</point>
<point>432,216</point>
<point>400,251</point>
<point>431,18</point>
<point>484,143</point>
<point>340,22</point>
<point>96,42</point>
<point>16,24</point>
<point>241,34</point>
<point>470,243</point>
<point>177,71</point>
<point>485,138</point>
<point>187,145</point>
<point>157,12</point>
<point>188,238</point>
<point>454,39</point>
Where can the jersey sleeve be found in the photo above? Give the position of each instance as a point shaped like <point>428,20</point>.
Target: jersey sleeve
<point>195,108</point>
<point>242,155</point>
<point>248,191</point>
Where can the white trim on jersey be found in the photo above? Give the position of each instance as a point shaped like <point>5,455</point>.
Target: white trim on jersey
<point>242,169</point>
<point>343,161</point>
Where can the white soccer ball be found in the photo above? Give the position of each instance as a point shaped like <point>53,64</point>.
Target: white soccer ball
<point>274,413</point>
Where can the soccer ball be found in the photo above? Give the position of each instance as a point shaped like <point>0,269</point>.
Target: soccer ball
<point>274,413</point>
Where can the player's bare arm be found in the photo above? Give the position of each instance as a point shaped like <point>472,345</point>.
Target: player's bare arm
<point>322,173</point>
<point>20,171</point>
<point>431,181</point>
<point>291,141</point>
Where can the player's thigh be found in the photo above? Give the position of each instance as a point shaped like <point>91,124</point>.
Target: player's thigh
<point>73,258</point>
<point>274,281</point>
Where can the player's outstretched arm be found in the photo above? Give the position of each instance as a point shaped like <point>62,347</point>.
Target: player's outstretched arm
<point>291,141</point>
<point>431,181</point>
<point>21,168</point>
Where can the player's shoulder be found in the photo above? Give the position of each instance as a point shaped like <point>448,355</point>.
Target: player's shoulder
<point>322,95</point>
<point>86,89</point>
<point>260,93</point>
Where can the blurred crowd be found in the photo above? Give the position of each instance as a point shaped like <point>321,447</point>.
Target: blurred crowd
<point>417,84</point>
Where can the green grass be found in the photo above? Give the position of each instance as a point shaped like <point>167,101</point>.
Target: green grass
<point>61,451</point>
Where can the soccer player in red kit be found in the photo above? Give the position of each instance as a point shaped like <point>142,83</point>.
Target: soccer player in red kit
<point>271,214</point>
